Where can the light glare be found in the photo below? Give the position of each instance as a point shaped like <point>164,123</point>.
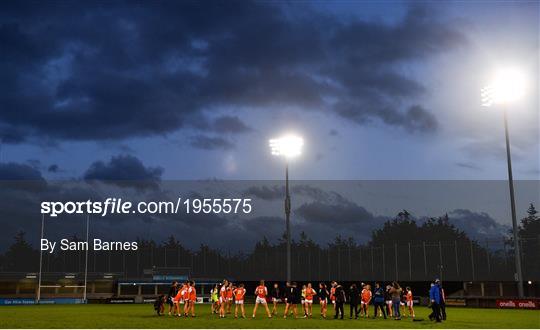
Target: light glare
<point>287,146</point>
<point>507,86</point>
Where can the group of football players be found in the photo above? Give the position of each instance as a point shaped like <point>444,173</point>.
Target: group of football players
<point>183,297</point>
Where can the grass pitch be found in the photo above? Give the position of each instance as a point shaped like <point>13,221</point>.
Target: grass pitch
<point>143,316</point>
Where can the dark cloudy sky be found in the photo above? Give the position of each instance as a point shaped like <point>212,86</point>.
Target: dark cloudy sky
<point>195,89</point>
<point>167,90</point>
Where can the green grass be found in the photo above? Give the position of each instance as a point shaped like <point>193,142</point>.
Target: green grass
<point>142,316</point>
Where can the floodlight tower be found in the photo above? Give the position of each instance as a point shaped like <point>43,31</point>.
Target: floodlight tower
<point>508,86</point>
<point>288,146</point>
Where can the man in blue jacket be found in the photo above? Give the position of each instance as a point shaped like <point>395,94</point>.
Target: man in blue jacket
<point>435,299</point>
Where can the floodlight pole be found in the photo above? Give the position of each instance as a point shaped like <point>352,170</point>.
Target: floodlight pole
<point>288,220</point>
<point>517,249</point>
<point>86,257</point>
<point>40,258</point>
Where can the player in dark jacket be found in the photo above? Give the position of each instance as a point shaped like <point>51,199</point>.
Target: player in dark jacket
<point>442,305</point>
<point>170,296</point>
<point>159,304</point>
<point>292,295</point>
<point>378,300</point>
<point>323,298</point>
<point>340,301</point>
<point>275,294</point>
<point>354,296</point>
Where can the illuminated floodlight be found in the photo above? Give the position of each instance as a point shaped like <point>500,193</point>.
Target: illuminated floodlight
<point>507,86</point>
<point>288,146</point>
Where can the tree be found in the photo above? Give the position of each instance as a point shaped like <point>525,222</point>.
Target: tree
<point>440,229</point>
<point>404,215</point>
<point>21,256</point>
<point>171,243</point>
<point>306,242</point>
<point>530,225</point>
<point>529,235</point>
<point>400,229</point>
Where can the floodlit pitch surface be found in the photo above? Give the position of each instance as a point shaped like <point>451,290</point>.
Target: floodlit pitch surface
<point>142,316</point>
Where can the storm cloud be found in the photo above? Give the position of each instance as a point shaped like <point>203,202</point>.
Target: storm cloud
<point>124,170</point>
<point>143,69</point>
<point>324,221</point>
<point>230,124</point>
<point>265,192</point>
<point>210,142</point>
<point>478,225</point>
<point>16,172</point>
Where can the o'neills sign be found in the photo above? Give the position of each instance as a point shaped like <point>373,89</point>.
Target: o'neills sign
<point>515,303</point>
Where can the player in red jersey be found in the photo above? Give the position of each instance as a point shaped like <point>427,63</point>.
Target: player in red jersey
<point>333,285</point>
<point>366,299</point>
<point>230,297</point>
<point>192,299</point>
<point>185,296</point>
<point>223,298</point>
<point>178,300</point>
<point>261,292</point>
<point>310,293</point>
<point>239,294</point>
<point>410,301</point>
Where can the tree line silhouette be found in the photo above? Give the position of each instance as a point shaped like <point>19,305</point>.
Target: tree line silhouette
<point>402,249</point>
